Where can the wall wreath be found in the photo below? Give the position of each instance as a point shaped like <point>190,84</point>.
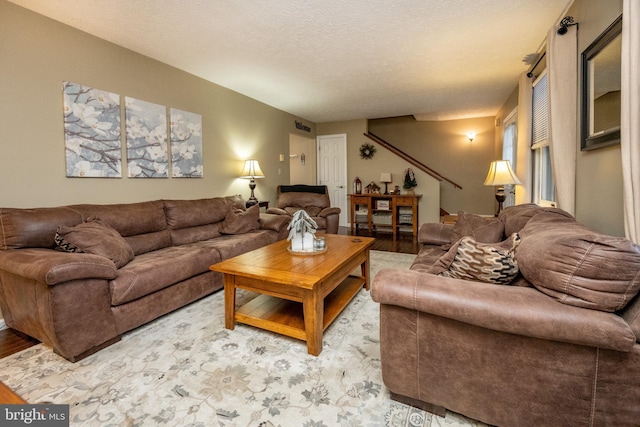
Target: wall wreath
<point>367,151</point>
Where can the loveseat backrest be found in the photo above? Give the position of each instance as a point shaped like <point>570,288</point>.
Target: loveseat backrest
<point>34,228</point>
<point>303,196</point>
<point>516,217</point>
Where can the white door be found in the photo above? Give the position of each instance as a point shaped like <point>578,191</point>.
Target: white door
<point>332,171</point>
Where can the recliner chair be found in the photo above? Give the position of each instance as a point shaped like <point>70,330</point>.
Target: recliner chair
<point>314,199</point>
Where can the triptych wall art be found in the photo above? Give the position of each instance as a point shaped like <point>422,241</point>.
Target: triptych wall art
<point>93,137</point>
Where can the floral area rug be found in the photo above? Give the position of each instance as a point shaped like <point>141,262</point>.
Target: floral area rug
<point>186,369</point>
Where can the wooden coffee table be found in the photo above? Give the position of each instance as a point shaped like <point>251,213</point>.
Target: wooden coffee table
<point>300,295</point>
<point>9,396</point>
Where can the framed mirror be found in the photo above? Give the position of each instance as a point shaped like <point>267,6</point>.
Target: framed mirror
<point>601,82</point>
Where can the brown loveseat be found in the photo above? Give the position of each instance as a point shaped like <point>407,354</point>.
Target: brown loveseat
<point>556,345</point>
<point>139,261</point>
<point>314,199</point>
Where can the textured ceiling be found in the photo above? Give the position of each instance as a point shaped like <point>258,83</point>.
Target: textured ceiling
<point>330,60</point>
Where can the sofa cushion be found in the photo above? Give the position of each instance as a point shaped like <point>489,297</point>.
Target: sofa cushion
<point>578,266</point>
<point>240,222</point>
<point>156,270</point>
<point>128,219</point>
<point>143,225</point>
<point>34,228</point>
<point>485,262</point>
<point>481,229</point>
<point>194,213</point>
<point>95,237</point>
<point>231,245</point>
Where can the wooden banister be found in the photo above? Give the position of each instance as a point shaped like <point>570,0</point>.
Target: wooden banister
<point>395,150</point>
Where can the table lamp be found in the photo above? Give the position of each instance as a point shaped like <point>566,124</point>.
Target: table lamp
<point>385,177</point>
<point>252,171</point>
<point>501,174</point>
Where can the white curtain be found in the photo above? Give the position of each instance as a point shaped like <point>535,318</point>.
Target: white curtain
<point>562,72</point>
<point>630,118</point>
<point>523,151</point>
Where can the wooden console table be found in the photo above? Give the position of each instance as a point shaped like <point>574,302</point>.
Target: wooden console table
<point>384,210</point>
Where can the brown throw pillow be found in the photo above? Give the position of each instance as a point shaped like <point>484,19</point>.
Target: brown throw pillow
<point>482,229</point>
<point>95,237</point>
<point>239,221</point>
<point>484,262</point>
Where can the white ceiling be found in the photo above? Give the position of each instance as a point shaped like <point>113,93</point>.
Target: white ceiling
<point>330,60</point>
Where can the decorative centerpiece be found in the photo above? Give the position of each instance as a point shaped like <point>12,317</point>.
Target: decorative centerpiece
<point>302,231</point>
<point>409,180</point>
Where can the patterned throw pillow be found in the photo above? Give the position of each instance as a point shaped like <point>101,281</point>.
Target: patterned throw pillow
<point>489,263</point>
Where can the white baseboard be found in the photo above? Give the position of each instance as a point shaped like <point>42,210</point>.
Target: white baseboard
<point>2,324</point>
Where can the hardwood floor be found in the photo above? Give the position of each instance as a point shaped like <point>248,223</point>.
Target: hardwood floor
<point>13,341</point>
<point>405,242</point>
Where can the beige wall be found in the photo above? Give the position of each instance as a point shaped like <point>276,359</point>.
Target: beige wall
<point>38,54</point>
<point>599,200</point>
<point>383,161</point>
<point>443,146</point>
<point>300,173</point>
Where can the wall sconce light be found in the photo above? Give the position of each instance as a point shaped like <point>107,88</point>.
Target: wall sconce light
<point>471,136</point>
<point>252,171</point>
<point>303,158</point>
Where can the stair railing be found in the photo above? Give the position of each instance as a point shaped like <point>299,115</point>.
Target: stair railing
<point>418,164</point>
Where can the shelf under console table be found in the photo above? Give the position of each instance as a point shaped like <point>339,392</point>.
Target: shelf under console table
<point>371,210</point>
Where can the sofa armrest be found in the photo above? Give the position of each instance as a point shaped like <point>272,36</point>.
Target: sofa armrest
<point>274,222</point>
<point>329,211</point>
<point>277,211</point>
<point>517,310</point>
<point>52,267</point>
<point>435,233</point>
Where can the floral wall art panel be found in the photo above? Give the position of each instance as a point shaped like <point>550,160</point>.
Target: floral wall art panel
<point>186,144</point>
<point>146,127</point>
<point>92,132</point>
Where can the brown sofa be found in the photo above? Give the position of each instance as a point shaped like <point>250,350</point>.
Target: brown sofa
<point>314,199</point>
<point>138,262</point>
<point>556,344</point>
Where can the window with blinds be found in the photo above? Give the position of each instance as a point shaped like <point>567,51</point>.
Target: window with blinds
<point>540,113</point>
<point>543,183</point>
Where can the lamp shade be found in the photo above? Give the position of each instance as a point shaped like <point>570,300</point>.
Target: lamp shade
<point>500,173</point>
<point>385,177</point>
<point>251,170</point>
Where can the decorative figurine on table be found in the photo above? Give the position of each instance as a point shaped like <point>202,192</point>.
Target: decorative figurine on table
<point>372,188</point>
<point>302,231</point>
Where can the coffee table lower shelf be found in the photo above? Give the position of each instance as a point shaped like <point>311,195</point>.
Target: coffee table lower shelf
<point>286,317</point>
